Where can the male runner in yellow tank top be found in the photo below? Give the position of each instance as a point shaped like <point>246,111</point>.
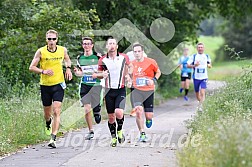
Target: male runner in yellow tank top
<point>52,82</point>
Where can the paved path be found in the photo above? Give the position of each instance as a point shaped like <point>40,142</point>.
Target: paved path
<point>165,137</point>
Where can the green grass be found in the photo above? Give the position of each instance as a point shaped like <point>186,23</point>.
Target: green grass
<point>212,44</point>
<point>22,120</point>
<point>222,71</point>
<point>224,128</point>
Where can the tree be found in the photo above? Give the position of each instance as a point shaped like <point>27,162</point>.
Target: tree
<point>185,15</point>
<point>23,31</point>
<point>238,39</point>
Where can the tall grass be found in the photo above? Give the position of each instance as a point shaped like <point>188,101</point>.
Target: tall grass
<point>225,128</point>
<point>20,122</point>
<point>22,119</point>
<point>222,71</point>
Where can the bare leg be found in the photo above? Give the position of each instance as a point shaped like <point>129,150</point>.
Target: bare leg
<point>47,112</point>
<point>88,116</point>
<point>111,118</point>
<point>187,84</point>
<point>148,115</point>
<point>198,96</point>
<point>119,113</point>
<point>139,118</point>
<point>56,117</point>
<point>202,94</point>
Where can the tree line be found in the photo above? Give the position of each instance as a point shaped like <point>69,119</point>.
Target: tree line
<point>23,24</point>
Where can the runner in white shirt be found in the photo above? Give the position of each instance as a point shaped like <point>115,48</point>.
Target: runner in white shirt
<point>200,62</point>
<point>114,69</point>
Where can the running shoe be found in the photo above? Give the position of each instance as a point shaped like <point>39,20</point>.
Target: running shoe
<point>200,107</point>
<point>148,123</point>
<point>97,118</point>
<point>52,143</point>
<point>186,98</point>
<point>121,137</point>
<point>143,137</point>
<point>113,142</point>
<point>90,135</point>
<point>181,90</point>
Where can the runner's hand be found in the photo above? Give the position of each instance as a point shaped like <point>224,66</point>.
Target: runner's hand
<point>48,72</point>
<point>150,82</point>
<point>78,72</point>
<point>105,74</point>
<point>68,74</point>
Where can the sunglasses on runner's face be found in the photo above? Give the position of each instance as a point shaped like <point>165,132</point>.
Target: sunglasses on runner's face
<point>49,39</point>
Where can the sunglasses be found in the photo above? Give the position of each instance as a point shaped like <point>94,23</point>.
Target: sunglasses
<point>49,39</point>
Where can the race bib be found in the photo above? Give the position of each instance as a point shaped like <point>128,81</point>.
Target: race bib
<point>141,81</point>
<point>63,85</point>
<point>88,79</point>
<point>184,74</point>
<point>200,70</point>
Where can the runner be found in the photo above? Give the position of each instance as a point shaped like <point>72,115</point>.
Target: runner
<point>200,62</point>
<point>131,56</point>
<point>52,82</point>
<point>114,68</point>
<point>185,73</point>
<point>145,74</point>
<point>90,87</point>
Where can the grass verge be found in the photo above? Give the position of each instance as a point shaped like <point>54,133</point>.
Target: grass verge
<point>225,128</point>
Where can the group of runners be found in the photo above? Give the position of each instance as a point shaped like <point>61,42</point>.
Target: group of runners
<point>139,73</point>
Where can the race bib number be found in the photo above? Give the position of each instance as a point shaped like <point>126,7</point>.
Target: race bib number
<point>88,79</point>
<point>141,81</point>
<point>184,74</point>
<point>201,70</point>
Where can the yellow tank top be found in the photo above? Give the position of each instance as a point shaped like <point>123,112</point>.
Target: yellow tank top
<point>53,61</point>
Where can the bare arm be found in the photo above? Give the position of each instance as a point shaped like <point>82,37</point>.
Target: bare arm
<point>156,77</point>
<point>192,66</point>
<point>130,69</point>
<point>157,74</point>
<point>67,58</point>
<point>33,66</point>
<point>68,74</point>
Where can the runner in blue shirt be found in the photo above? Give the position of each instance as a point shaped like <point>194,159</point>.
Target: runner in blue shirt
<point>185,73</point>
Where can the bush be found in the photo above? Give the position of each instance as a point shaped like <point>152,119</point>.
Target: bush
<point>225,128</point>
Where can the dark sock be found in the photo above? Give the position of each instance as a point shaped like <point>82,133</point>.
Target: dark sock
<point>119,123</point>
<point>186,92</point>
<point>53,137</point>
<point>112,128</point>
<point>48,123</point>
